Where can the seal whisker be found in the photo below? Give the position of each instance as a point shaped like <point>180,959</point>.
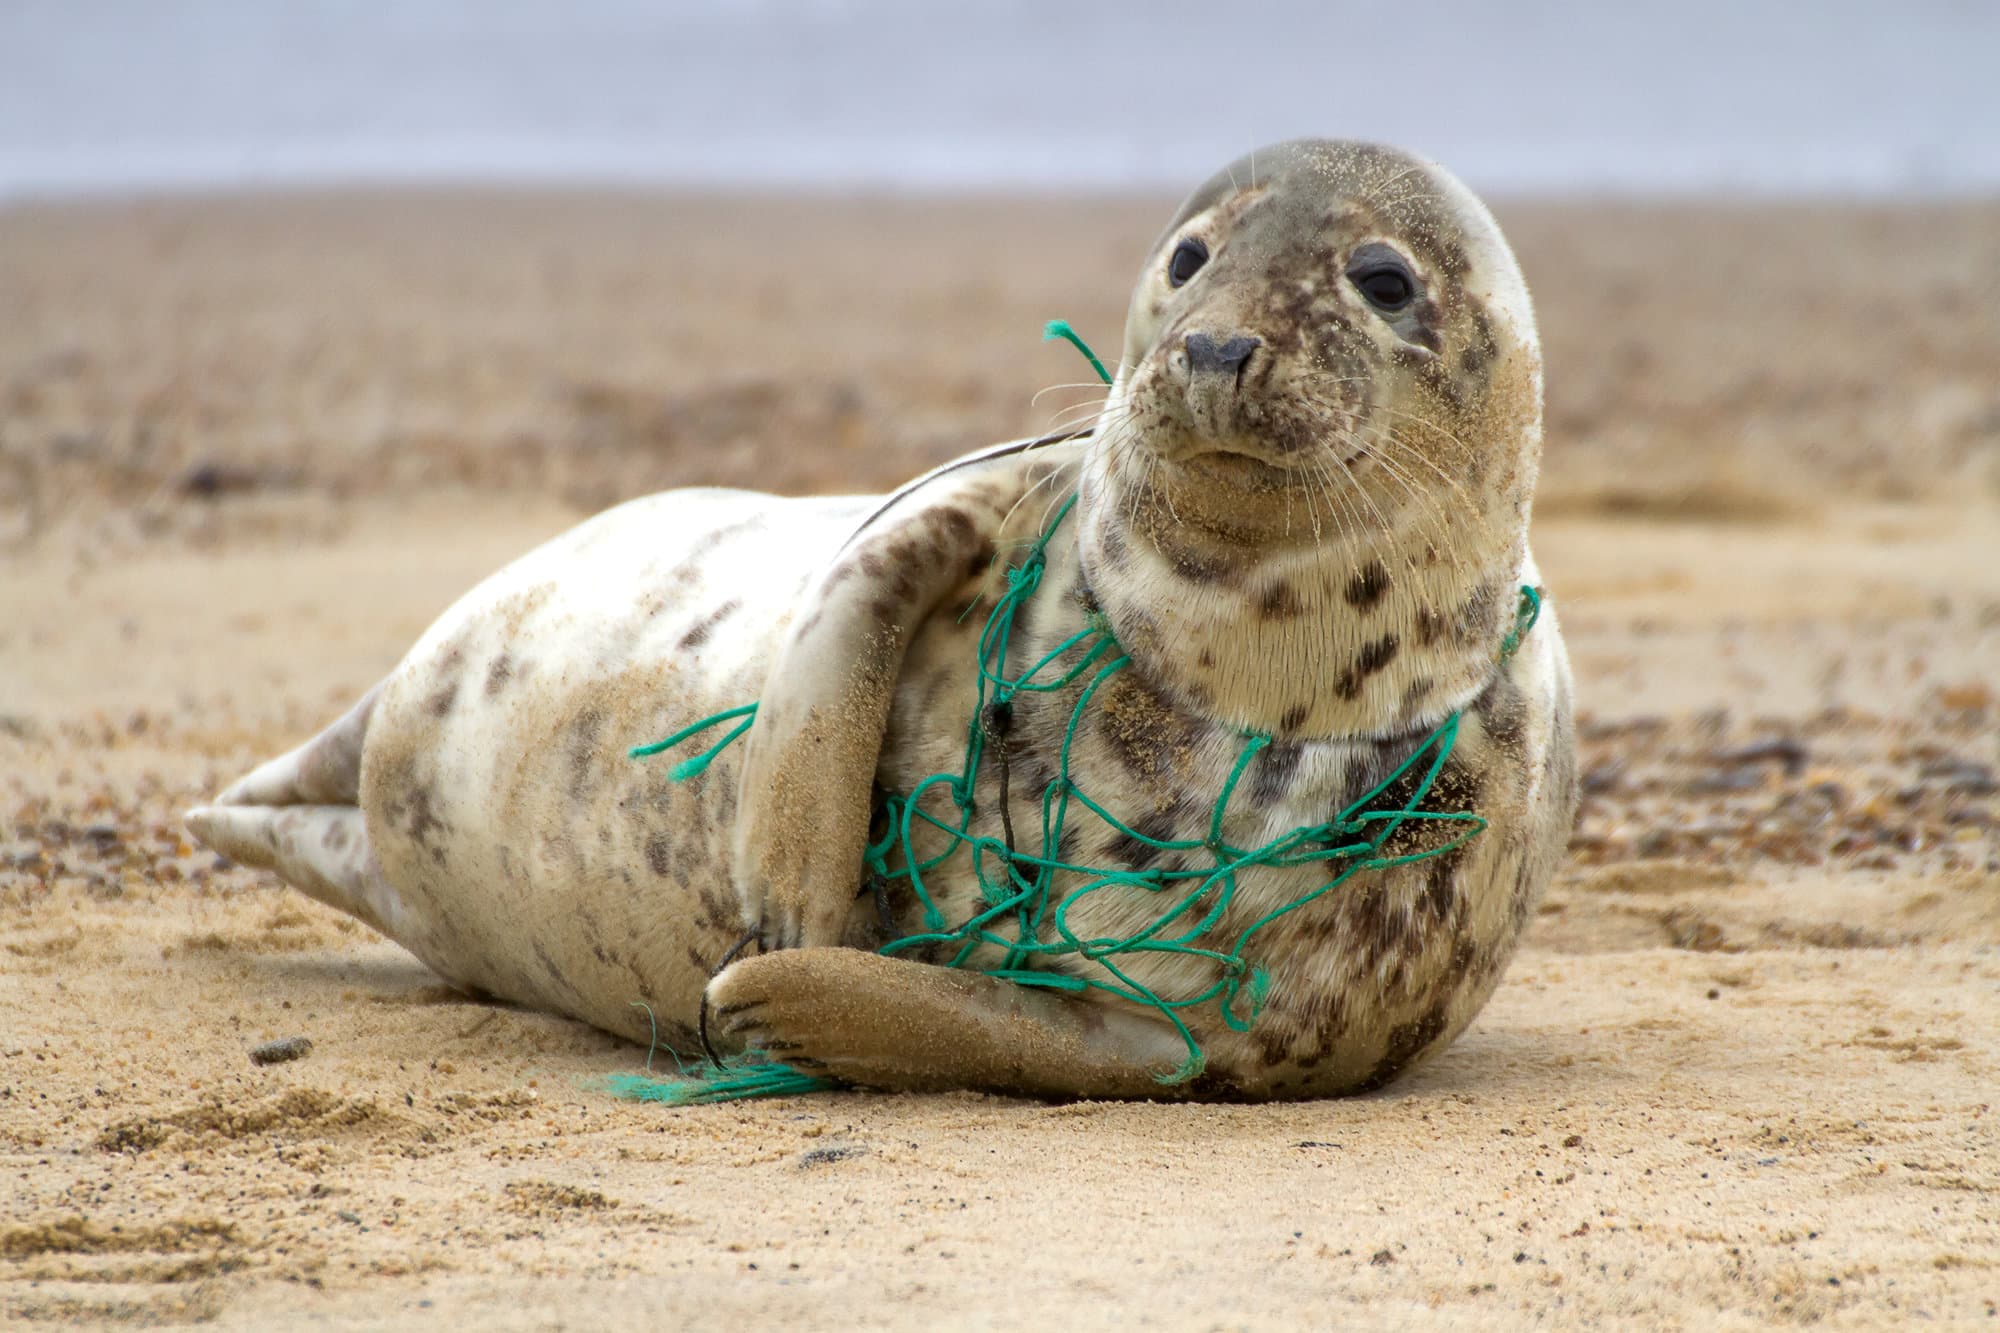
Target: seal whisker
<point>1426,497</point>
<point>1339,507</point>
<point>1392,440</point>
<point>1063,418</point>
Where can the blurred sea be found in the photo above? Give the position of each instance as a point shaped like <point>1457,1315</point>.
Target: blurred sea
<point>1572,96</point>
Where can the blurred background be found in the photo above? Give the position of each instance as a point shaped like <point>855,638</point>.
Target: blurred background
<point>1564,95</point>
<point>405,287</point>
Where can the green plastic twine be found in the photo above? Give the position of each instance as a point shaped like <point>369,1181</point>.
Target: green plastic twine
<point>1019,914</point>
<point>1059,328</point>
<point>688,768</point>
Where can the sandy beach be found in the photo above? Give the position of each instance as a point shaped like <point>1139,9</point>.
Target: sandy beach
<point>1744,1070</point>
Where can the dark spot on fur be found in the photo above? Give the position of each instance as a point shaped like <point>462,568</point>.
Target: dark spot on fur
<point>1196,567</point>
<point>585,752</point>
<point>1414,694</point>
<point>1463,955</point>
<point>1274,1045</point>
<point>1142,730</point>
<point>440,702</point>
<point>554,973</point>
<point>1280,601</point>
<point>1408,1041</point>
<point>1524,892</point>
<point>1206,659</point>
<point>1502,709</point>
<point>1478,617</point>
<point>1440,892</point>
<point>1034,777</point>
<point>1429,626</point>
<point>1273,770</point>
<point>958,524</point>
<point>660,855</point>
<point>1379,926</point>
<point>699,632</point>
<point>418,817</point>
<point>1368,586</point>
<point>1137,854</point>
<point>499,673</point>
<point>1376,655</point>
<point>1371,659</point>
<point>1480,346</point>
<point>1295,717</point>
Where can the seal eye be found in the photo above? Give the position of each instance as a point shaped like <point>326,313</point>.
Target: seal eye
<point>1388,286</point>
<point>1188,258</point>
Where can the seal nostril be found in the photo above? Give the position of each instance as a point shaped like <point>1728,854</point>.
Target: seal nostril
<point>1208,356</point>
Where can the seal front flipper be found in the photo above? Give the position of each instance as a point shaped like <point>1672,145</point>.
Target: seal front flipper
<point>913,1027</point>
<point>804,796</point>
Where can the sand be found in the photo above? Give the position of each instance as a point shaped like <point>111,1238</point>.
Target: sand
<point>1743,1071</point>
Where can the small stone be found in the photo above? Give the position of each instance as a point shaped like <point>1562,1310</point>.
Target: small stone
<point>1789,754</point>
<point>280,1051</point>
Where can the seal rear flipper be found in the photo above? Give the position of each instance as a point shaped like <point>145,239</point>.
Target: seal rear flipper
<point>326,770</point>
<point>321,850</point>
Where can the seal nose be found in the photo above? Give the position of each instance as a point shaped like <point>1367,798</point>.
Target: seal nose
<point>1206,356</point>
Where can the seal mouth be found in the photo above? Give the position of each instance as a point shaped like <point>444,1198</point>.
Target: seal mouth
<point>1237,467</point>
<point>1255,471</point>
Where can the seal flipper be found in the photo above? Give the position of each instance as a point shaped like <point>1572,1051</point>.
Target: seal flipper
<point>916,1027</point>
<point>321,850</point>
<point>298,815</point>
<point>326,770</point>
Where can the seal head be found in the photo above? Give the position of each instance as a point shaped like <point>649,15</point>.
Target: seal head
<point>1318,456</point>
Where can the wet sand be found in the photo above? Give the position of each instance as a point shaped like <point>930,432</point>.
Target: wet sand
<point>1743,1070</point>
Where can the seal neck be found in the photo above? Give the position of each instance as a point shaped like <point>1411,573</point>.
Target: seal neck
<point>1347,631</point>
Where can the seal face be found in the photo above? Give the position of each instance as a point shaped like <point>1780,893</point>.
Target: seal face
<point>1302,513</point>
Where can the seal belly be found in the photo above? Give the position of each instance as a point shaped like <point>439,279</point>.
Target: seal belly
<point>538,861</point>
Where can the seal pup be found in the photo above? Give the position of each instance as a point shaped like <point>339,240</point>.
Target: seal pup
<point>1302,511</point>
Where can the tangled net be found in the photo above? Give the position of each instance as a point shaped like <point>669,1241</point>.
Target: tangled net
<point>1021,916</point>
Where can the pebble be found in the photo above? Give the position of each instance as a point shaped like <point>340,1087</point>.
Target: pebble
<point>279,1051</point>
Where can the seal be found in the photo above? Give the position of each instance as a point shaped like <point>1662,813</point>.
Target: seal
<point>1302,512</point>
